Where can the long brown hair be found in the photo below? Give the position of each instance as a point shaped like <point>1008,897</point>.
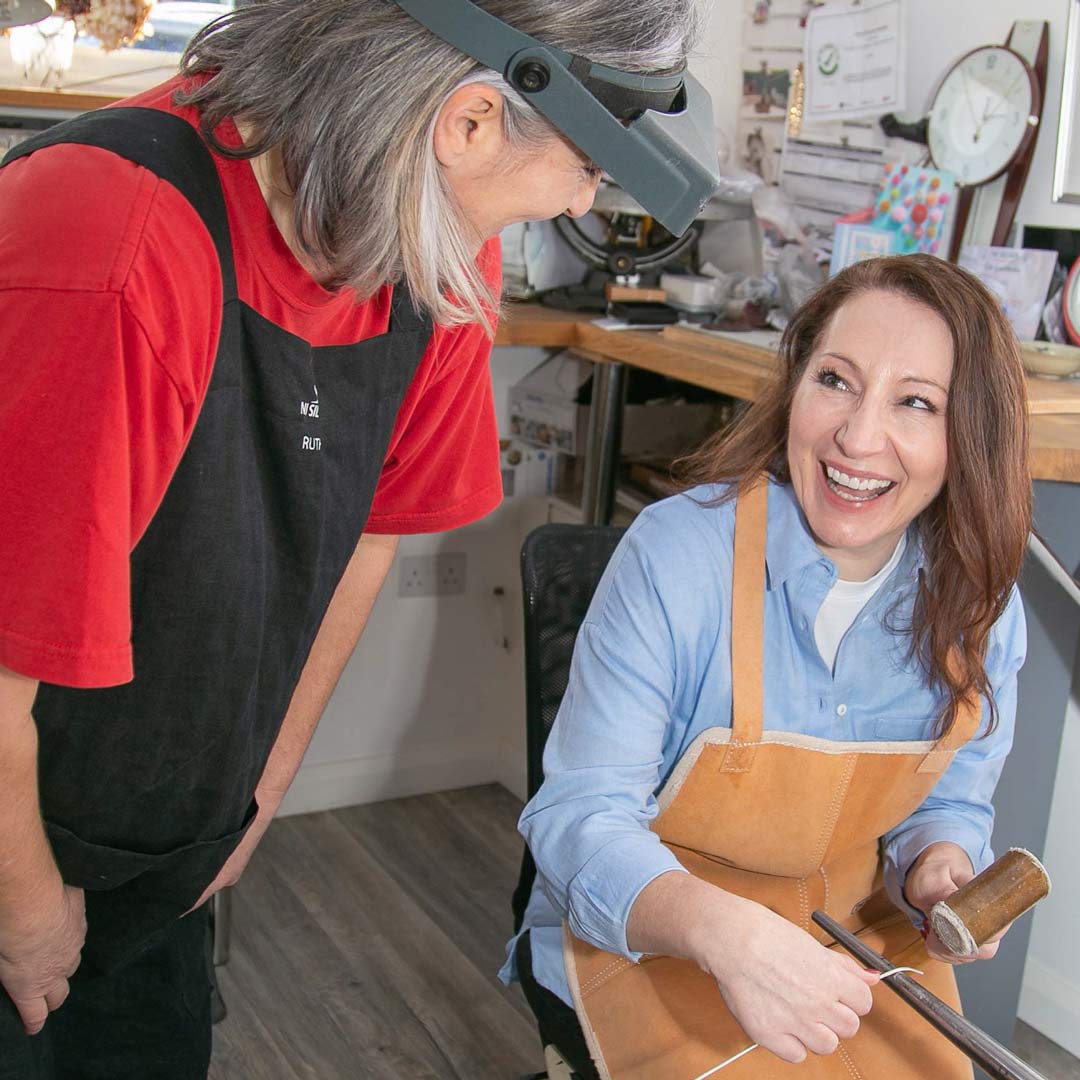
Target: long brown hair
<point>975,532</point>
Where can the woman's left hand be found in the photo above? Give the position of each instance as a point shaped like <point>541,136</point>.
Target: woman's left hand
<point>935,875</point>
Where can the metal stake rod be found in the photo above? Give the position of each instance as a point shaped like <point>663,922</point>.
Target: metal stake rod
<point>998,1062</point>
<point>602,448</point>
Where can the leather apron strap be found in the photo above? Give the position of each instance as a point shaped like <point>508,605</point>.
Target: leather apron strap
<point>747,646</point>
<point>964,729</point>
<point>748,627</point>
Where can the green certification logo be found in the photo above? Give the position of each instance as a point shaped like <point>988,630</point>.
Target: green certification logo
<point>828,59</point>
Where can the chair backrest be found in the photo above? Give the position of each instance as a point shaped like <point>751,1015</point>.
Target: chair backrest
<point>561,565</point>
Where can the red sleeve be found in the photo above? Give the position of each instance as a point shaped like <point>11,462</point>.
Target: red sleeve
<point>442,470</point>
<point>80,395</point>
<point>97,399</point>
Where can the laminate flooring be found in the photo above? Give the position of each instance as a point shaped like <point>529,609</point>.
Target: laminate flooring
<point>365,943</point>
<point>1042,1054</point>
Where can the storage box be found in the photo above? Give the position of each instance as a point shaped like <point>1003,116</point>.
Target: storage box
<point>545,407</point>
<point>550,407</point>
<point>527,470</point>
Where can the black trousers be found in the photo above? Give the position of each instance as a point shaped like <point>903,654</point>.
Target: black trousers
<point>150,1020</point>
<point>558,1023</point>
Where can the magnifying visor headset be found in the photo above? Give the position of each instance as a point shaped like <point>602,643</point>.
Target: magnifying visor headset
<point>653,134</point>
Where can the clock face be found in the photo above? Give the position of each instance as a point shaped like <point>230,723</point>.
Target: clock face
<point>981,114</point>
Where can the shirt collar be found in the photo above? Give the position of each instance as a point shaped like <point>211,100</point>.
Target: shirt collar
<point>790,547</point>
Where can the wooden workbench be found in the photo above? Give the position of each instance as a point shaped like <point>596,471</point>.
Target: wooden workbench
<point>737,368</point>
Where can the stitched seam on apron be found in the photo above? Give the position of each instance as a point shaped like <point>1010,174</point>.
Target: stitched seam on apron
<point>740,755</point>
<point>804,905</point>
<point>855,1074</point>
<point>591,1041</point>
<point>602,976</point>
<point>937,761</point>
<point>825,880</point>
<point>834,810</point>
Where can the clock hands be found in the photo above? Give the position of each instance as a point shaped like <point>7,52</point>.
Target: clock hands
<point>971,107</point>
<point>992,106</point>
<point>1004,99</point>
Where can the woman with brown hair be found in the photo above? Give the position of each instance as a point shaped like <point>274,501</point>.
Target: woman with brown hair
<point>795,689</point>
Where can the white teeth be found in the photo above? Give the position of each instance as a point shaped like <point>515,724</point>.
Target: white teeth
<point>856,483</point>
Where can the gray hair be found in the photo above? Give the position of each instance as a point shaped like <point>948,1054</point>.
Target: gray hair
<point>349,92</point>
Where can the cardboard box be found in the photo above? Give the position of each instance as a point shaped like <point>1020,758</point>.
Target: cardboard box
<point>544,406</point>
<point>527,470</point>
<point>549,408</point>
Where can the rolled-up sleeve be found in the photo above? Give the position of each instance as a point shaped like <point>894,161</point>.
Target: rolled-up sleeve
<point>959,809</point>
<point>588,825</point>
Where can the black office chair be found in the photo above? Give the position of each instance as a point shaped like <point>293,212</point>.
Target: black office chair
<point>561,566</point>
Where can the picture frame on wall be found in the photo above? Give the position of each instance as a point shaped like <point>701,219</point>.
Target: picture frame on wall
<point>765,91</point>
<point>1067,160</point>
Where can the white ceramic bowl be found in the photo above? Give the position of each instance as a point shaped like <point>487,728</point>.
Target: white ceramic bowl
<point>1049,358</point>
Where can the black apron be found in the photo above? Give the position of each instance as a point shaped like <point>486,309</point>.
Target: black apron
<point>147,788</point>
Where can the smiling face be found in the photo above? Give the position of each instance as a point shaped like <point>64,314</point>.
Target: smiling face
<point>867,433</point>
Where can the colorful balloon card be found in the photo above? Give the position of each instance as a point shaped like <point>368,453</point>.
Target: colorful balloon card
<point>916,204</point>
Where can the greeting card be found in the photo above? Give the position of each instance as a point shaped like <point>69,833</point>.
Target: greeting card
<point>916,204</point>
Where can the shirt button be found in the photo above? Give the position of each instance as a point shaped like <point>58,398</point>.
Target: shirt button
<point>841,710</point>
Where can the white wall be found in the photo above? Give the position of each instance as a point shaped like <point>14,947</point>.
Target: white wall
<point>1050,1000</point>
<point>717,63</point>
<point>429,700</point>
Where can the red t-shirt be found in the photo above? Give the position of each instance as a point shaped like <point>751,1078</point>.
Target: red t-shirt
<point>106,348</point>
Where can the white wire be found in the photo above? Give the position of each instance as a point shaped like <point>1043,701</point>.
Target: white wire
<point>725,1064</point>
<point>742,1053</point>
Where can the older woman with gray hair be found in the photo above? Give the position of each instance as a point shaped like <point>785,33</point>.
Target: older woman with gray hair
<point>250,353</point>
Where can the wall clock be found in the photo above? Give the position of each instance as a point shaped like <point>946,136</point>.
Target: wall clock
<point>984,120</point>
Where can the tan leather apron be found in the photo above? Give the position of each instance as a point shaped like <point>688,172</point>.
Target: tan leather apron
<point>792,822</point>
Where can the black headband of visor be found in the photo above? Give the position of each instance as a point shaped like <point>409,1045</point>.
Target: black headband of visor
<point>622,101</point>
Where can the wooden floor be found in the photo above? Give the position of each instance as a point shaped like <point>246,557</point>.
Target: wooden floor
<point>365,942</point>
<point>1040,1053</point>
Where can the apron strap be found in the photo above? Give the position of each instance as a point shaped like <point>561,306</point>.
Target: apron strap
<point>747,626</point>
<point>964,729</point>
<point>167,146</point>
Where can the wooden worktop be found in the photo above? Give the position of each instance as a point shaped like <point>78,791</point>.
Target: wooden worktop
<point>738,368</point>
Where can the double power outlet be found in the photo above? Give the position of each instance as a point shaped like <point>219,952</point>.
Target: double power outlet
<point>431,575</point>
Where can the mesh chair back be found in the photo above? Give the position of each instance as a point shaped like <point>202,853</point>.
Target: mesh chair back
<point>561,566</point>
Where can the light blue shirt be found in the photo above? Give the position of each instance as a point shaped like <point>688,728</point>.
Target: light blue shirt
<point>652,670</point>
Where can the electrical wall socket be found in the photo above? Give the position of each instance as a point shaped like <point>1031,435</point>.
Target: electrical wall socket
<point>431,575</point>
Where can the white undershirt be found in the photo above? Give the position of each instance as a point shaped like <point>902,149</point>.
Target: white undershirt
<point>842,605</point>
